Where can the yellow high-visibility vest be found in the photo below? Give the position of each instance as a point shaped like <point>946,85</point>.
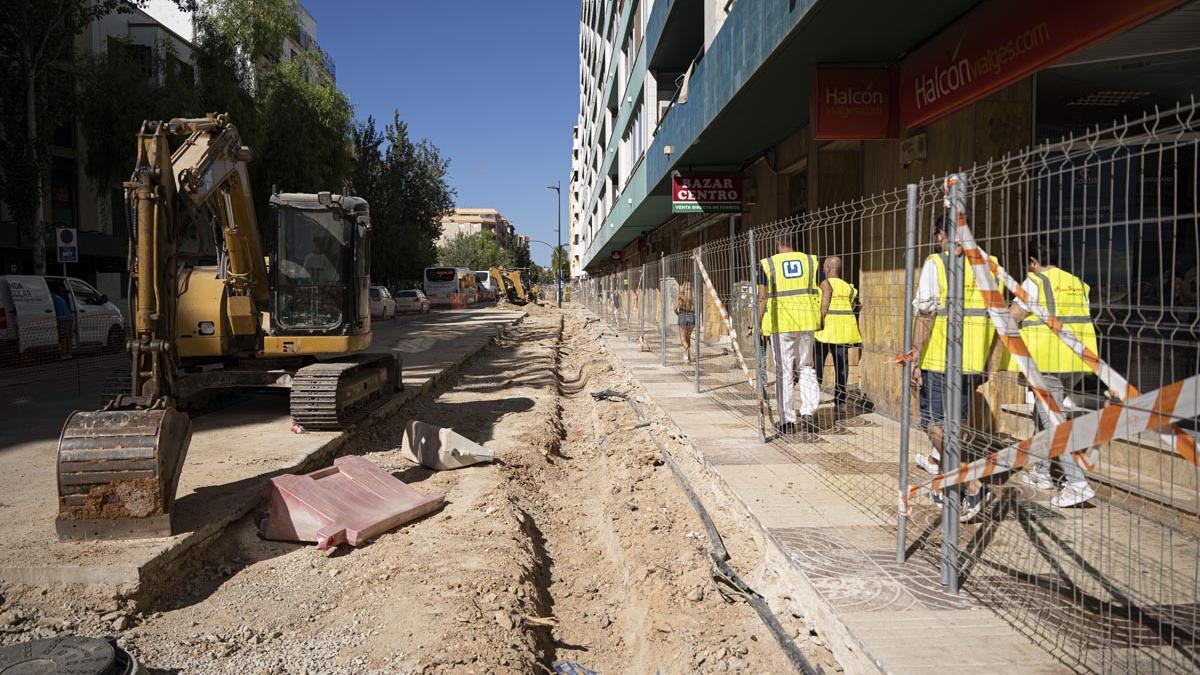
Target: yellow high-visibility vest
<point>841,326</point>
<point>792,296</point>
<point>977,326</point>
<point>1065,296</point>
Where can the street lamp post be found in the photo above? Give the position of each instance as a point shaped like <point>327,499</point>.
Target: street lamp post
<point>557,187</point>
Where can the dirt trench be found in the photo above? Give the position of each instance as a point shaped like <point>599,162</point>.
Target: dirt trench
<point>577,544</point>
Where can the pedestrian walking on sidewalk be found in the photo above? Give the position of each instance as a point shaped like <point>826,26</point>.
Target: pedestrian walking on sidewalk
<point>789,312</point>
<point>1064,296</point>
<point>840,332</point>
<point>685,316</point>
<point>929,350</point>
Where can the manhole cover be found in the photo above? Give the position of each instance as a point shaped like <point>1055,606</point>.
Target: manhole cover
<point>65,655</point>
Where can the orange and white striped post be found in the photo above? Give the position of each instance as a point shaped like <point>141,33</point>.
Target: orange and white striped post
<point>733,338</point>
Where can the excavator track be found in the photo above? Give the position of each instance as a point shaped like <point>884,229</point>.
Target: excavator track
<point>333,394</point>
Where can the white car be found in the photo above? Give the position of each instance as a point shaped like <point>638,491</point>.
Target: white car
<point>383,307</point>
<point>412,300</point>
<point>29,322</point>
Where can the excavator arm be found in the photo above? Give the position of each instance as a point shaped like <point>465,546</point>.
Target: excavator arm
<point>119,467</point>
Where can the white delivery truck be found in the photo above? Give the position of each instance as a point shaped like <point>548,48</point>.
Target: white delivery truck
<point>28,322</point>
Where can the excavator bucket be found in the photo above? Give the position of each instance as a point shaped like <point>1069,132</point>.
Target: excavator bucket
<point>118,471</point>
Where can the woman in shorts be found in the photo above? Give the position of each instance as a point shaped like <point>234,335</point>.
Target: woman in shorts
<point>685,314</point>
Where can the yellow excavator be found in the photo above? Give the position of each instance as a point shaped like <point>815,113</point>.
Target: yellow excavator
<point>212,312</point>
<point>514,283</point>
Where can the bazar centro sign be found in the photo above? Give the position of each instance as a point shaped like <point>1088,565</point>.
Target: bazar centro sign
<point>706,194</point>
<point>1002,41</point>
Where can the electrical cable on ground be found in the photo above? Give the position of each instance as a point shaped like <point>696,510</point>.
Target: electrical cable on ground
<point>718,553</point>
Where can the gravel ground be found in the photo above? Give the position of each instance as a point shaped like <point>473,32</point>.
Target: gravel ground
<point>576,544</point>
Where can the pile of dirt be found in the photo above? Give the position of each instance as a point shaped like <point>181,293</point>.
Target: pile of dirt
<point>576,544</point>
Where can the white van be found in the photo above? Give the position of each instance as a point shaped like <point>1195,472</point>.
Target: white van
<point>28,321</point>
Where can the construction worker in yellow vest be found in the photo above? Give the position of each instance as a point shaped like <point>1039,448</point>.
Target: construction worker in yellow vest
<point>929,349</point>
<point>841,329</point>
<point>1065,296</point>
<point>790,313</point>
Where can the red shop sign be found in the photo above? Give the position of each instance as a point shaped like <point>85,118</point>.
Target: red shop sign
<point>853,104</point>
<point>707,194</point>
<point>1001,42</point>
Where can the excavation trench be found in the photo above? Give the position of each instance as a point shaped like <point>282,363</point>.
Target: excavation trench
<point>577,544</point>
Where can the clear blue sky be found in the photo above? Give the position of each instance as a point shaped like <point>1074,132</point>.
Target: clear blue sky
<point>493,84</point>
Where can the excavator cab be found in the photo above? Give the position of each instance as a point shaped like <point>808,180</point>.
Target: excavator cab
<point>320,266</point>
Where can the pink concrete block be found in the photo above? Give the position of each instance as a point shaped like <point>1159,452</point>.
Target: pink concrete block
<point>350,502</point>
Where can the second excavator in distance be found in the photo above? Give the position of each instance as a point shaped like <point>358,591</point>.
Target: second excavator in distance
<point>211,312</point>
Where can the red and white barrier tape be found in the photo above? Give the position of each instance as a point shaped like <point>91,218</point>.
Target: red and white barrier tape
<point>1113,422</point>
<point>733,336</point>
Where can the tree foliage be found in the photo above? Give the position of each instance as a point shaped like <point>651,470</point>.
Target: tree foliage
<point>300,129</point>
<point>252,30</point>
<point>117,90</point>
<point>405,184</point>
<point>519,248</point>
<point>303,136</point>
<point>37,40</point>
<point>477,251</point>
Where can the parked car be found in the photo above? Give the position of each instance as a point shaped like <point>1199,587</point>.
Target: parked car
<point>383,306</point>
<point>412,300</point>
<point>30,324</point>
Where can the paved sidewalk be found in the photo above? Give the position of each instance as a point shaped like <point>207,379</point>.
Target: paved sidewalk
<point>875,613</point>
<point>234,451</point>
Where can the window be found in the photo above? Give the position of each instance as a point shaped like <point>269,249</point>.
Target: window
<point>633,144</point>
<point>85,294</point>
<point>312,287</point>
<point>141,56</point>
<point>180,71</point>
<point>797,193</point>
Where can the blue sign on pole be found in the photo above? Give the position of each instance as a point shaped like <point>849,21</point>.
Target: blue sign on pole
<point>68,245</point>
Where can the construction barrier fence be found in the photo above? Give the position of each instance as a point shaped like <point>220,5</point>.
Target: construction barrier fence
<point>1075,412</point>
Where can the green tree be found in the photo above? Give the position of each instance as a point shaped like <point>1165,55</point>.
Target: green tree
<point>519,248</point>
<point>478,251</point>
<point>559,259</point>
<point>225,78</point>
<point>251,31</point>
<point>303,136</point>
<point>37,40</point>
<point>405,184</point>
<point>118,89</point>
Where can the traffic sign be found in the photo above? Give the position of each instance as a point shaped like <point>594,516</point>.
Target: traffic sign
<point>68,245</point>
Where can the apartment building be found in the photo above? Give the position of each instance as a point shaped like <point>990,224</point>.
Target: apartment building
<point>304,40</point>
<point>769,108</point>
<point>72,200</point>
<point>472,221</point>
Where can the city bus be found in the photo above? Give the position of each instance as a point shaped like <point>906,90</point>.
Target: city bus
<point>450,286</point>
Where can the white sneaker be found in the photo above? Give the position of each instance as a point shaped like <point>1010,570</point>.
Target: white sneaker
<point>1037,479</point>
<point>1073,494</point>
<point>928,463</point>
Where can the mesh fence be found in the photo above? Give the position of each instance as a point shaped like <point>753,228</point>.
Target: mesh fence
<point>59,337</point>
<point>1095,554</point>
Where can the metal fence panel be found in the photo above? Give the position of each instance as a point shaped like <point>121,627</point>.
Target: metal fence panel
<point>1108,586</point>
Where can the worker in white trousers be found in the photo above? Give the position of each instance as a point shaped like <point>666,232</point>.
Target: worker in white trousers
<point>789,309</point>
